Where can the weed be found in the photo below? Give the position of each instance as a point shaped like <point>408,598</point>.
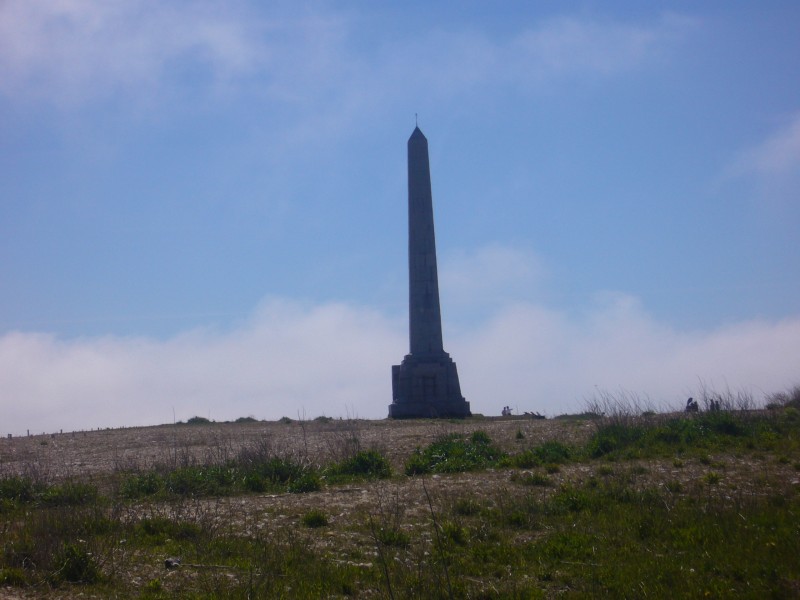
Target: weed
<point>307,482</point>
<point>157,530</point>
<point>16,490</point>
<point>674,486</point>
<point>454,453</point>
<point>369,464</point>
<point>787,399</point>
<point>70,493</point>
<point>466,507</point>
<point>74,563</point>
<point>455,533</point>
<point>314,518</point>
<point>552,452</point>
<point>13,576</point>
<point>393,536</point>
<point>200,481</point>
<point>536,479</point>
<point>141,485</point>
<point>153,586</point>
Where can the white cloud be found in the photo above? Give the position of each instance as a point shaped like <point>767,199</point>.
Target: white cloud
<point>71,51</point>
<point>772,167</point>
<point>543,360</point>
<point>330,359</point>
<point>567,46</point>
<point>778,154</point>
<point>335,359</point>
<point>446,63</point>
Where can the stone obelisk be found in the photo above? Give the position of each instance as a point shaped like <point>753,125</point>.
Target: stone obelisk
<point>426,383</point>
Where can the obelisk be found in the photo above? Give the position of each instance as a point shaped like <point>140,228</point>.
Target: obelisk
<point>426,383</point>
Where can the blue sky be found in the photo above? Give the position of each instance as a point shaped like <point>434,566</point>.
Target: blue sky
<point>203,204</point>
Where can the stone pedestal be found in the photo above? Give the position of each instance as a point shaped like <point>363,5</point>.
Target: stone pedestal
<point>427,387</point>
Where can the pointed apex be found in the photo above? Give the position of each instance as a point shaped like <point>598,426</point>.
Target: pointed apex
<point>417,133</point>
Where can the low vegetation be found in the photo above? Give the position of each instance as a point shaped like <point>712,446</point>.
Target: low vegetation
<point>646,504</point>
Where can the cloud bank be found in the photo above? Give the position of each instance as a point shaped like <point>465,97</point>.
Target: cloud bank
<point>291,359</point>
<point>71,52</point>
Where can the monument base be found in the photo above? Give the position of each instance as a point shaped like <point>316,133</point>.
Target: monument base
<point>427,387</point>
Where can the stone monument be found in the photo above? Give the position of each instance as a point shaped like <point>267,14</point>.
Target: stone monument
<point>426,383</point>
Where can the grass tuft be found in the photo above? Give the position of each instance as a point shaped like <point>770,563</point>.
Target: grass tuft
<point>314,518</point>
<point>454,453</point>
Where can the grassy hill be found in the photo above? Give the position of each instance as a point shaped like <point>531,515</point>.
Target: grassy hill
<point>629,504</point>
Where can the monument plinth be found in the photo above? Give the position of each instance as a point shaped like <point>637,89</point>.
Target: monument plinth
<point>426,383</point>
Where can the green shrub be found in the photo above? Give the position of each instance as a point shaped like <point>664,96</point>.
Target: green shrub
<point>71,493</point>
<point>790,398</point>
<point>196,481</point>
<point>393,536</point>
<point>198,421</point>
<point>154,586</point>
<point>315,518</point>
<point>674,486</point>
<point>466,507</point>
<point>13,576</point>
<point>480,437</point>
<point>75,564</point>
<point>455,533</point>
<point>551,452</point>
<point>308,482</point>
<point>253,482</point>
<point>276,469</point>
<point>703,431</point>
<point>141,485</point>
<point>17,490</point>
<point>370,464</point>
<point>454,454</point>
<point>157,530</point>
<point>613,437</point>
<point>536,479</point>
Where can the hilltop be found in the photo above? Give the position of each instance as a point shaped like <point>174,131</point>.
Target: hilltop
<point>484,507</point>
